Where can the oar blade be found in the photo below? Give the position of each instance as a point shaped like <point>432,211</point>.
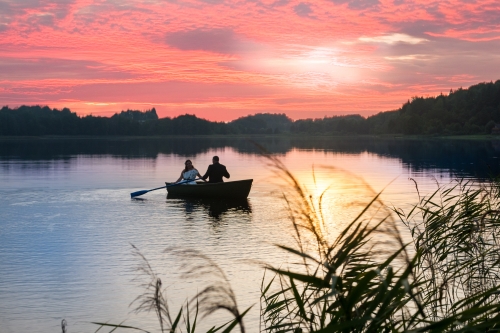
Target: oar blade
<point>138,193</point>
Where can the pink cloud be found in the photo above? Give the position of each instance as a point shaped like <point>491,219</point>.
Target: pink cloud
<point>224,59</point>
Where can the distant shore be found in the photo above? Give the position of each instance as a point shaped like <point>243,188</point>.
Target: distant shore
<point>249,136</point>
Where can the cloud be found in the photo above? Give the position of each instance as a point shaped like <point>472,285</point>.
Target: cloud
<point>212,2</point>
<point>468,20</point>
<point>45,19</point>
<point>280,3</point>
<point>411,57</point>
<point>212,40</point>
<point>31,15</point>
<point>303,9</point>
<point>393,39</point>
<point>420,28</point>
<point>357,4</point>
<point>442,62</point>
<point>14,69</point>
<point>59,8</point>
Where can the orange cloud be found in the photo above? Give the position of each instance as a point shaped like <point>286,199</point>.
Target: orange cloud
<point>224,59</point>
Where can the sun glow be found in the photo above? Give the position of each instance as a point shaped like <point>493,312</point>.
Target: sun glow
<point>290,57</point>
<point>337,193</point>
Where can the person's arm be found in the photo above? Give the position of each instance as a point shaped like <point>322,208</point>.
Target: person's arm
<point>199,176</point>
<point>206,173</point>
<point>226,174</point>
<point>180,178</point>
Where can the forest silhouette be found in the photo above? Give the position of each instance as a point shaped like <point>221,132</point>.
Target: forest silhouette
<point>475,110</point>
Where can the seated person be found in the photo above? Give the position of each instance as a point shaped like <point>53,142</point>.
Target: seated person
<point>189,173</point>
<point>216,171</point>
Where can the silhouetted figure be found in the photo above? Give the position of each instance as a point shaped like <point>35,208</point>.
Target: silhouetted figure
<point>216,171</point>
<point>189,173</point>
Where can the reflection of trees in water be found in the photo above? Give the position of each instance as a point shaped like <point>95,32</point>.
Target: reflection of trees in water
<point>44,149</point>
<point>215,208</point>
<point>462,157</point>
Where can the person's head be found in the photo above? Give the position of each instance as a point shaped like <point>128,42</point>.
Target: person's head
<point>188,165</point>
<point>215,159</point>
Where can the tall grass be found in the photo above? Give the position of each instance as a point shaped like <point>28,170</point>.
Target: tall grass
<point>455,232</point>
<point>217,295</point>
<point>446,279</point>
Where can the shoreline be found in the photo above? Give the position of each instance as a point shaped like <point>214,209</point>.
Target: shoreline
<point>249,136</point>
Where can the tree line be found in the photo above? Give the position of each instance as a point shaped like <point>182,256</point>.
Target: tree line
<point>38,120</point>
<point>475,110</point>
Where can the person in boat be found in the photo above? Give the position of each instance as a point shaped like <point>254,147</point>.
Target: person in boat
<point>216,171</point>
<point>189,173</point>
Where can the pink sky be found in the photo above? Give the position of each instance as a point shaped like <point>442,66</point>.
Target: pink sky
<point>224,59</point>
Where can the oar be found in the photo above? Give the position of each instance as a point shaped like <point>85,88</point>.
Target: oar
<point>138,193</point>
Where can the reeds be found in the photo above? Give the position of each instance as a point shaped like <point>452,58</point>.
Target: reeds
<point>455,232</point>
<point>445,280</point>
<point>449,284</point>
<point>217,295</point>
<point>340,287</point>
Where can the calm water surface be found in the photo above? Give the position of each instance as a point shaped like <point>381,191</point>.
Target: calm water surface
<point>67,221</point>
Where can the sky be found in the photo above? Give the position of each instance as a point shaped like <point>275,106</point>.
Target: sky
<point>221,60</point>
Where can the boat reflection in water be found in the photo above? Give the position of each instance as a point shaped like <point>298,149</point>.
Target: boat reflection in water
<point>217,199</point>
<point>215,208</point>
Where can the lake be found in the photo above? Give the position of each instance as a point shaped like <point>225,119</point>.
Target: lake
<point>67,222</point>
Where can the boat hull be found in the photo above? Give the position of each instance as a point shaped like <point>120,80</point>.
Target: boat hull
<point>236,189</point>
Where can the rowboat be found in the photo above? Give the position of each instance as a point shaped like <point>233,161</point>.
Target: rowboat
<point>232,190</point>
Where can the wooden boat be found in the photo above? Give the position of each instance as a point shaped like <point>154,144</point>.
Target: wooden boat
<point>232,190</point>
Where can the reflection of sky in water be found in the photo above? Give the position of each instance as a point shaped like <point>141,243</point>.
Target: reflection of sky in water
<point>66,225</point>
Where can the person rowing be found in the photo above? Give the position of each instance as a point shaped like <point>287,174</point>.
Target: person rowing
<point>215,171</point>
<point>189,173</point>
